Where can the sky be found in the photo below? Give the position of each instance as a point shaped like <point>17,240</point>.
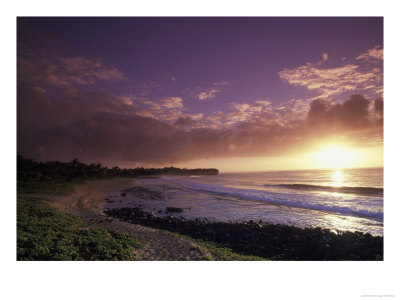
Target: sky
<point>239,94</point>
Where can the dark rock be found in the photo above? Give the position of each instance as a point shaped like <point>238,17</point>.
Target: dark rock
<point>123,195</point>
<point>174,209</point>
<point>273,241</point>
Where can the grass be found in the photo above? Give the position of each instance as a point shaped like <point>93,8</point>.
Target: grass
<point>44,233</point>
<point>54,187</point>
<point>213,251</point>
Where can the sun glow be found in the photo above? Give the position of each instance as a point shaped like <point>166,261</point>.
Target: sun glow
<point>327,156</point>
<point>337,178</point>
<point>335,157</point>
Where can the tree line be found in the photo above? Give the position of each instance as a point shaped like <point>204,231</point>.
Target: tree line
<point>31,170</point>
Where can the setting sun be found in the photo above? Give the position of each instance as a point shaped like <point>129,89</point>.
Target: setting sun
<point>334,156</point>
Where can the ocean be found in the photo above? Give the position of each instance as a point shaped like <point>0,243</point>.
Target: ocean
<point>341,200</point>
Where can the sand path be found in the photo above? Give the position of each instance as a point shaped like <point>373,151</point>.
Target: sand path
<point>86,202</point>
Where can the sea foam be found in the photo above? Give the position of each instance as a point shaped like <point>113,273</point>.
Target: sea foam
<point>305,201</point>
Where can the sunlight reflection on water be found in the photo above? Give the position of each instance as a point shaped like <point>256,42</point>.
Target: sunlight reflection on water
<point>337,178</point>
<point>297,198</point>
<point>344,223</point>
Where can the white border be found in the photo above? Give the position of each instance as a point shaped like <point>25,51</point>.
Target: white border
<point>203,280</point>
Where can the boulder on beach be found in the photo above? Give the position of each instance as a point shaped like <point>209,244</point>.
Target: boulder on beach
<point>174,209</point>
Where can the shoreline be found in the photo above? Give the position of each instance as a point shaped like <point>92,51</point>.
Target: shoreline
<point>155,195</point>
<point>267,240</point>
<point>261,239</point>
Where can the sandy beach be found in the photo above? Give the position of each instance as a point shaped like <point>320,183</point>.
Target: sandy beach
<point>86,202</point>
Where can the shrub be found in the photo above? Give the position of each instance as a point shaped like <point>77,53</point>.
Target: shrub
<point>44,233</point>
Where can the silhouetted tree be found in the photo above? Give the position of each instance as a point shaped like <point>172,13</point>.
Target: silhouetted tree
<point>30,170</point>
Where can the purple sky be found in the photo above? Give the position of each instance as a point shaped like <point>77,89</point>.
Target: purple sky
<point>161,91</point>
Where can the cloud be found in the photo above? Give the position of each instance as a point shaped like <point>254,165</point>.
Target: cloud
<point>102,127</point>
<point>352,114</point>
<point>221,83</point>
<point>240,112</point>
<point>188,121</point>
<point>375,53</point>
<point>64,71</point>
<point>378,105</point>
<point>172,102</point>
<point>167,109</point>
<point>61,114</point>
<point>211,93</point>
<point>378,109</point>
<point>324,56</point>
<point>263,102</point>
<point>330,82</point>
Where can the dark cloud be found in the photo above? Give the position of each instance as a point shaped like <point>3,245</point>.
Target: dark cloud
<point>185,122</point>
<point>318,111</point>
<point>352,114</point>
<point>378,105</point>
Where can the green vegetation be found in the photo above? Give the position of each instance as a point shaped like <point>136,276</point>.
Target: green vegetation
<point>223,253</point>
<point>213,251</point>
<point>30,170</point>
<point>44,233</point>
<point>53,187</point>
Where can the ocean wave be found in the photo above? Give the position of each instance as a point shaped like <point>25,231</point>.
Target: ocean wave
<point>290,200</point>
<point>359,190</point>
